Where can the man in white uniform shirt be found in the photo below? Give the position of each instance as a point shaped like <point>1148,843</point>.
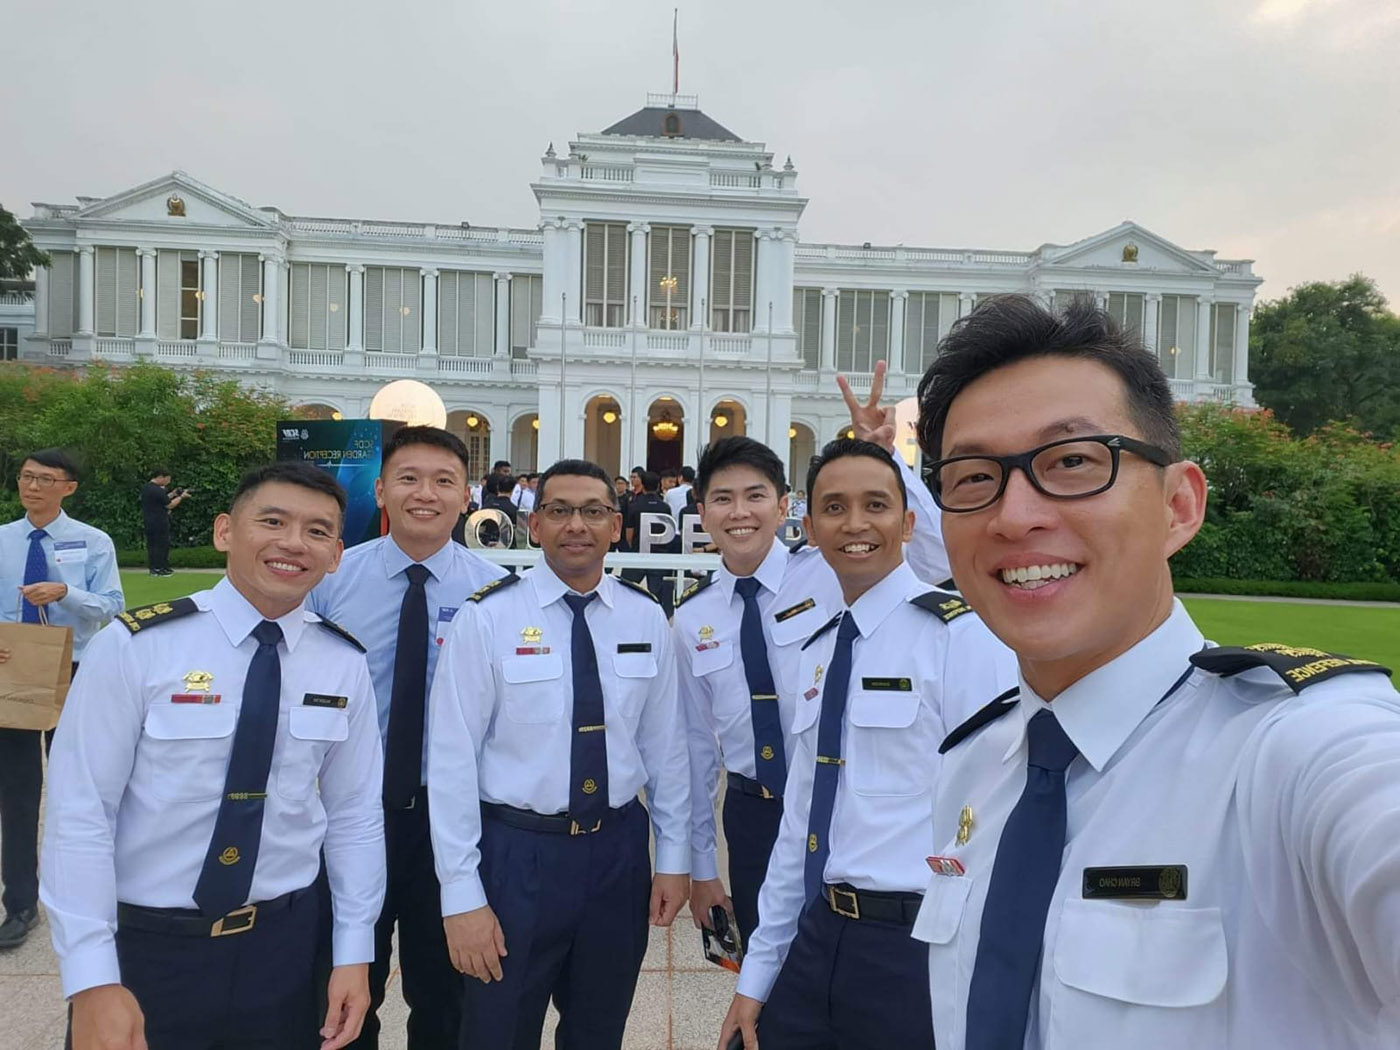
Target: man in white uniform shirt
<point>1153,843</point>
<point>209,749</point>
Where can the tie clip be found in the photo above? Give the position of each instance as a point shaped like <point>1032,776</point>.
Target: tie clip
<point>827,760</point>
<point>591,729</point>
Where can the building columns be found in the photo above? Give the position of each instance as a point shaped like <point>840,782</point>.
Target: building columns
<point>700,280</point>
<point>1205,306</point>
<point>272,285</point>
<point>502,347</point>
<point>430,312</point>
<point>1151,321</point>
<point>783,280</point>
<point>765,253</point>
<point>637,257</point>
<point>828,359</point>
<point>966,301</point>
<point>1241,376</point>
<point>355,339</point>
<point>573,285</point>
<point>554,272</point>
<point>1100,299</point>
<point>41,302</point>
<point>209,296</point>
<point>898,298</point>
<point>147,257</point>
<point>85,282</point>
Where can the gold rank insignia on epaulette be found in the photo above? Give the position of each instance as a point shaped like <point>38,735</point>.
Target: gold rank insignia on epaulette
<point>494,586</point>
<point>143,616</point>
<point>947,607</point>
<point>341,632</point>
<point>1298,666</point>
<point>694,589</point>
<point>638,588</point>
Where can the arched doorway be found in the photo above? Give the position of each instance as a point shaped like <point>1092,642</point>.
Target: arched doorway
<point>728,419</point>
<point>471,426</point>
<point>602,433</point>
<point>802,446</point>
<point>525,443</point>
<point>665,434</point>
<point>316,410</point>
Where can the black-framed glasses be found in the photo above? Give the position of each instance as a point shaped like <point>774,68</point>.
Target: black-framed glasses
<point>1072,468</point>
<point>43,481</point>
<point>561,513</point>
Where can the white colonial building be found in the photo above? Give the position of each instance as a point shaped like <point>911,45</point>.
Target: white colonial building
<point>664,298</point>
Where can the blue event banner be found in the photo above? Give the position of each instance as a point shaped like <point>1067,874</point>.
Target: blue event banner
<point>351,451</point>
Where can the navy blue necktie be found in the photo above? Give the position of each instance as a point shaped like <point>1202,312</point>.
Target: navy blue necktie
<point>227,876</point>
<point>588,750</point>
<point>769,758</point>
<point>403,758</point>
<point>829,760</point>
<point>36,570</point>
<point>1023,880</point>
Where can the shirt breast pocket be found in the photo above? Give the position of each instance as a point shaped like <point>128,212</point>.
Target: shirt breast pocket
<point>634,672</point>
<point>532,694</point>
<point>188,747</point>
<point>310,733</point>
<point>888,752</point>
<point>939,919</point>
<point>1138,974</point>
<point>800,627</point>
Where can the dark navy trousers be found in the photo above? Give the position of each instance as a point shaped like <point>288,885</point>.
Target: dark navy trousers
<point>750,829</point>
<point>573,909</point>
<point>849,984</point>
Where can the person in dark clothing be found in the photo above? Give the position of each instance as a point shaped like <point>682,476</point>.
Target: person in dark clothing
<point>658,581</point>
<point>156,503</point>
<point>496,496</point>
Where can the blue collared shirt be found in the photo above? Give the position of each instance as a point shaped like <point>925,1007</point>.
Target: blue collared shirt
<point>78,555</point>
<point>364,596</point>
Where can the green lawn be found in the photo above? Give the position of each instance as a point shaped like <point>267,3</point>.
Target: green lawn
<point>1372,634</point>
<point>141,588</point>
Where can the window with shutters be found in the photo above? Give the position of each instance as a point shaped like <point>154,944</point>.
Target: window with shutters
<point>393,307</point>
<point>1127,309</point>
<point>63,306</point>
<point>731,280</point>
<point>1176,336</point>
<point>668,289</point>
<point>807,322</point>
<point>862,329</point>
<point>526,299</point>
<point>466,314</point>
<point>605,274</point>
<point>926,322</point>
<point>9,344</point>
<point>1222,342</point>
<point>240,298</point>
<point>317,314</point>
<point>191,298</point>
<point>117,305</point>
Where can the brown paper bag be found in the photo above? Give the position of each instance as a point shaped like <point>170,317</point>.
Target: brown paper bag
<point>34,680</point>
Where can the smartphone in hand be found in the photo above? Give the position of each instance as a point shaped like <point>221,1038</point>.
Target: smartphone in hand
<point>721,942</point>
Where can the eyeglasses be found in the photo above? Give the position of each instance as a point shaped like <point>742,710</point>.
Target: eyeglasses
<point>43,481</point>
<point>1073,468</point>
<point>562,513</point>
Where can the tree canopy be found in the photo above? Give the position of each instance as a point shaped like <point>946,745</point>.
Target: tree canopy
<point>18,256</point>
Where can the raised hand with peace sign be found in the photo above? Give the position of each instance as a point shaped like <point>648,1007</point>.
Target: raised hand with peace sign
<point>869,421</point>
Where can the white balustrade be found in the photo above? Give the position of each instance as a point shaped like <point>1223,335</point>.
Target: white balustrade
<point>480,366</point>
<point>60,347</point>
<point>604,337</point>
<point>176,348</point>
<point>315,358</point>
<point>737,345</point>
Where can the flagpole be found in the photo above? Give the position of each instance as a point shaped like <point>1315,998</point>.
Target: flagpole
<point>675,55</point>
<point>563,365</point>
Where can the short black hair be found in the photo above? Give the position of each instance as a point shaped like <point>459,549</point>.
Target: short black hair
<point>55,459</point>
<point>290,472</point>
<point>843,448</point>
<point>496,466</point>
<point>406,437</point>
<point>159,472</point>
<point>621,479</point>
<point>1007,329</point>
<point>688,475</point>
<point>651,481</point>
<point>498,484</point>
<point>579,468</point>
<point>738,451</point>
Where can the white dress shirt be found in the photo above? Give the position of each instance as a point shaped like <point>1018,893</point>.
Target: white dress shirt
<point>366,593</point>
<point>135,779</point>
<point>882,821</point>
<point>78,555</point>
<point>1285,811</point>
<point>501,719</point>
<point>677,498</point>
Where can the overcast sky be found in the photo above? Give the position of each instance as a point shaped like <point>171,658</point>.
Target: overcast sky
<point>1266,129</point>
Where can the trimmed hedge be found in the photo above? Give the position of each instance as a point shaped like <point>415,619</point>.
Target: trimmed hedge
<point>180,558</point>
<point>1356,592</point>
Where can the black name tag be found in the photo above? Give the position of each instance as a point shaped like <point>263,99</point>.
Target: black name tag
<point>323,700</point>
<point>793,610</point>
<point>887,685</point>
<point>1162,882</point>
<point>634,647</point>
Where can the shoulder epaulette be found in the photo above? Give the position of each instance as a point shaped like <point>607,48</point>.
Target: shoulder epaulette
<point>947,607</point>
<point>694,589</point>
<point>638,588</point>
<point>144,616</point>
<point>1299,667</point>
<point>987,715</point>
<point>494,586</point>
<point>341,632</point>
<point>823,629</point>
<point>800,545</point>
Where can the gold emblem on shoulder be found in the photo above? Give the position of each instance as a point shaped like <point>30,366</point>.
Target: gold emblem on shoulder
<point>145,614</point>
<point>590,786</point>
<point>531,635</point>
<point>198,681</point>
<point>229,856</point>
<point>965,823</point>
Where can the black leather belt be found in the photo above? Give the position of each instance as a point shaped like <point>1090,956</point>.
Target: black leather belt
<point>188,922</point>
<point>552,823</point>
<point>847,901</point>
<point>749,786</point>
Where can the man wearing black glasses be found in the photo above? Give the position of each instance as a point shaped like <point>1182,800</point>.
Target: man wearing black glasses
<point>1151,841</point>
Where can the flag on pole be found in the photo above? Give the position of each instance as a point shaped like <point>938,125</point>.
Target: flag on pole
<point>675,52</point>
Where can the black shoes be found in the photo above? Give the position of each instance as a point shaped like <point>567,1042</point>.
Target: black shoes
<point>15,929</point>
<point>162,572</point>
